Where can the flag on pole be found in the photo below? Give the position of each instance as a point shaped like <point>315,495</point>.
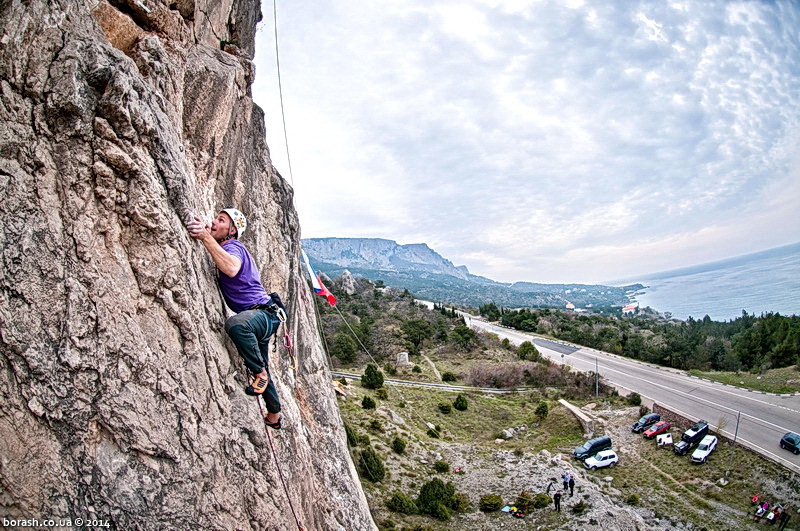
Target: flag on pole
<point>316,283</point>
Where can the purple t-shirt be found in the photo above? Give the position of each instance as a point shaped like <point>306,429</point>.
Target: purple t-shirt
<point>245,289</point>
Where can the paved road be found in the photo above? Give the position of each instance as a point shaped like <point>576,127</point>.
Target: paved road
<point>764,417</point>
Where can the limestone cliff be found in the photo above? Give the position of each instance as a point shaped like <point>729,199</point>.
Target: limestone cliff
<point>121,395</point>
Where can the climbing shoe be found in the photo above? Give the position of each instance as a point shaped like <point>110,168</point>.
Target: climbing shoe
<point>274,425</point>
<point>257,387</point>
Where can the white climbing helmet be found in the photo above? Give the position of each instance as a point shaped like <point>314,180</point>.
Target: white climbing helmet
<point>238,219</point>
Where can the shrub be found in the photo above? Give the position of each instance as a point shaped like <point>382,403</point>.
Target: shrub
<point>382,393</point>
<point>448,377</point>
<point>490,503</point>
<point>391,370</point>
<point>541,500</point>
<point>370,465</point>
<point>634,399</point>
<point>436,498</point>
<point>580,507</point>
<point>525,502</point>
<point>542,410</point>
<point>505,343</point>
<point>445,407</point>
<point>417,369</point>
<point>352,437</point>
<point>433,433</point>
<point>460,503</point>
<point>400,503</point>
<point>363,440</point>
<point>643,410</point>
<point>375,425</point>
<point>399,445</point>
<point>633,499</point>
<point>367,402</point>
<point>343,380</point>
<point>373,378</point>
<point>441,466</point>
<point>460,403</point>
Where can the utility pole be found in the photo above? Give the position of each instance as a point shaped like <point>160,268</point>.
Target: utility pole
<point>596,378</point>
<point>733,450</point>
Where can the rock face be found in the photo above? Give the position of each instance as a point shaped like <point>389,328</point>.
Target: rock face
<point>122,395</point>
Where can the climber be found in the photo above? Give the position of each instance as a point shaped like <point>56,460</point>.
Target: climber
<point>240,283</point>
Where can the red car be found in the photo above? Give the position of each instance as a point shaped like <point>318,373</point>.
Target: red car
<point>656,429</point>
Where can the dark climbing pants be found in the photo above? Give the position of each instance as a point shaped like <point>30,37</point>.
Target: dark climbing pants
<point>251,331</point>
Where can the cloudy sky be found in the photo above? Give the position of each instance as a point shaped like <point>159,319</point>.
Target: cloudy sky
<point>547,141</point>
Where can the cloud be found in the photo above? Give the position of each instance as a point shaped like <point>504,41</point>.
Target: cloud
<point>516,137</point>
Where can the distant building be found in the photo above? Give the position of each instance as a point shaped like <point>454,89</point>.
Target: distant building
<point>570,306</point>
<point>631,308</point>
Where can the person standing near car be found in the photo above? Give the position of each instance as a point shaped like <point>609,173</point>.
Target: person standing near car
<point>571,486</point>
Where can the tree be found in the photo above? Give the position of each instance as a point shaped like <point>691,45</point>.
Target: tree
<point>528,351</point>
<point>463,336</point>
<point>436,498</point>
<point>542,411</point>
<point>460,403</point>
<point>416,331</point>
<point>344,348</point>
<point>373,378</point>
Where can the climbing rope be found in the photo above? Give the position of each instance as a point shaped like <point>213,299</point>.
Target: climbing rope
<point>280,88</point>
<point>280,472</point>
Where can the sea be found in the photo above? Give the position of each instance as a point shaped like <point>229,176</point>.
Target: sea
<point>767,281</point>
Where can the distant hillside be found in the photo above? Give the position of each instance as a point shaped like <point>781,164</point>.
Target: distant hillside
<point>429,276</point>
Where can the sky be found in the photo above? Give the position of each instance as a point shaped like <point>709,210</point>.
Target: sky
<point>542,141</point>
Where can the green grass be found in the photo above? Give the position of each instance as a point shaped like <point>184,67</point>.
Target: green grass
<point>781,381</point>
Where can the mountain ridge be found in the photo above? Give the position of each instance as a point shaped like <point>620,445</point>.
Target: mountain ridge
<point>427,274</point>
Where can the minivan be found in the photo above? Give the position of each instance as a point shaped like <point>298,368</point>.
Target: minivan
<point>643,423</point>
<point>691,437</point>
<point>591,447</point>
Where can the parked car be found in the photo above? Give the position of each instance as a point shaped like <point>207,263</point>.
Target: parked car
<point>691,437</point>
<point>704,449</point>
<point>645,422</point>
<point>591,447</point>
<point>601,460</point>
<point>658,428</point>
<point>791,442</point>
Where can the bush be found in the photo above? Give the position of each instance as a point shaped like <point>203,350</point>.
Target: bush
<point>490,503</point>
<point>634,399</point>
<point>433,433</point>
<point>400,503</point>
<point>525,502</point>
<point>542,411</point>
<point>448,377</point>
<point>367,402</point>
<point>633,499</point>
<point>399,445</point>
<point>373,378</point>
<point>445,407</point>
<point>352,437</point>
<point>541,500</point>
<point>460,503</point>
<point>643,410</point>
<point>460,403</point>
<point>375,425</point>
<point>505,343</point>
<point>441,466</point>
<point>391,370</point>
<point>580,507</point>
<point>436,498</point>
<point>528,351</point>
<point>417,369</point>
<point>382,393</point>
<point>370,465</point>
